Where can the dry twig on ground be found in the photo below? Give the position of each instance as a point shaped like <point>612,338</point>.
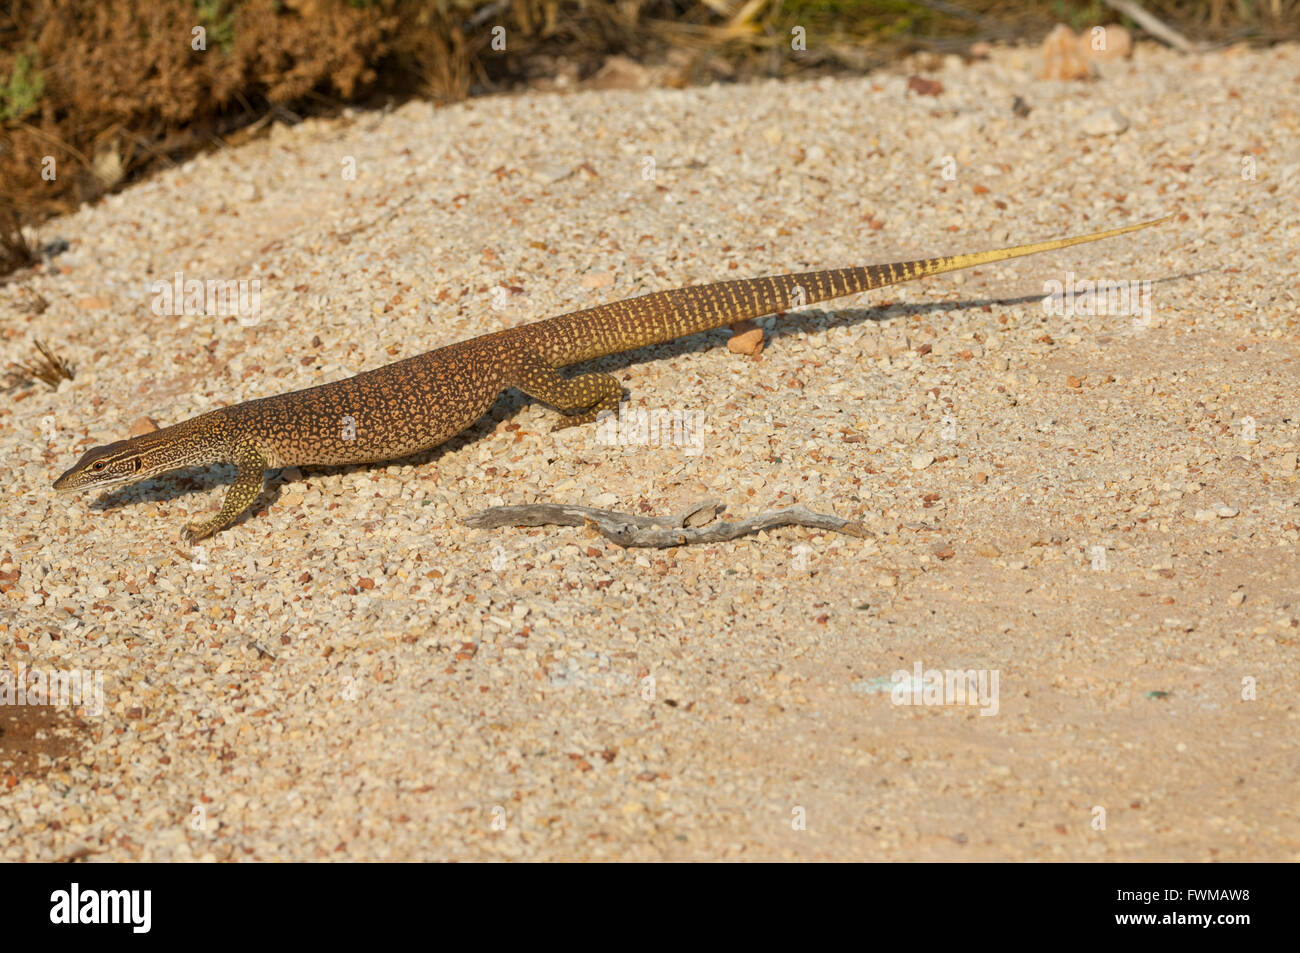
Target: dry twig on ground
<point>661,532</point>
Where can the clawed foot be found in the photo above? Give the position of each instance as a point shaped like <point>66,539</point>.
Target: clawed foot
<point>568,422</point>
<point>195,532</point>
<point>585,417</point>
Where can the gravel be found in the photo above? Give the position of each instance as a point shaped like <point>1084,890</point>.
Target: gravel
<point>1102,508</point>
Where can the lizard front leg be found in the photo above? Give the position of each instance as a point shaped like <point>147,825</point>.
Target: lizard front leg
<point>242,494</point>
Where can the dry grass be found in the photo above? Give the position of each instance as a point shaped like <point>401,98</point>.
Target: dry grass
<point>48,367</point>
<point>15,250</point>
<point>92,95</point>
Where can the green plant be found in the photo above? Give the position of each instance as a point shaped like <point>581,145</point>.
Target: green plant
<point>221,29</point>
<point>19,96</point>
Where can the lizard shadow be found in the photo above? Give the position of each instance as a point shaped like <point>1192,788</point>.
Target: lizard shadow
<point>801,322</point>
<point>815,320</point>
<point>182,483</point>
<point>169,486</point>
<point>178,484</point>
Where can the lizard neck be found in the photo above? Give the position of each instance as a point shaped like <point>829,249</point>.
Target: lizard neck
<point>196,442</point>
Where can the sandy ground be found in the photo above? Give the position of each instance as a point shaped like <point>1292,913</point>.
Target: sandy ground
<point>1097,509</point>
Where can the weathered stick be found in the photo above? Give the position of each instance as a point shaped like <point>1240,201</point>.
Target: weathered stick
<point>628,529</point>
<point>1157,28</point>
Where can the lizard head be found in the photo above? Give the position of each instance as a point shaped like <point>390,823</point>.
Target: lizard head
<point>195,442</point>
<point>123,461</point>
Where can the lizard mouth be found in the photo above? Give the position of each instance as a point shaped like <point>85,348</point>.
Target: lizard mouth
<point>64,485</point>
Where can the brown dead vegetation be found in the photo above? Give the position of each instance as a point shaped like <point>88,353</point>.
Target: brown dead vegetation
<point>94,94</point>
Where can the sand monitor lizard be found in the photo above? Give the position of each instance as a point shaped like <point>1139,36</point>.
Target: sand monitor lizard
<point>418,403</point>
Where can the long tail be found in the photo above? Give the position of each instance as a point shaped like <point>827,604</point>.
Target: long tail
<point>667,315</point>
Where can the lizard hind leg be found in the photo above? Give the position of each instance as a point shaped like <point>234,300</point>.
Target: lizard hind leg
<point>581,399</point>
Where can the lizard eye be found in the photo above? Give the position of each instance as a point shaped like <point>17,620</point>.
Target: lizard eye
<point>98,465</point>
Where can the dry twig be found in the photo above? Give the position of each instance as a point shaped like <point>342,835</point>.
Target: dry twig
<point>1157,28</point>
<point>627,529</point>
